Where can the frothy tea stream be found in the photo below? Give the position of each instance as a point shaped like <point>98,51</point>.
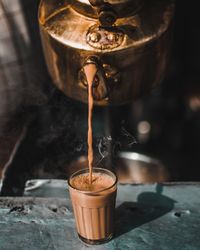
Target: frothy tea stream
<point>90,72</point>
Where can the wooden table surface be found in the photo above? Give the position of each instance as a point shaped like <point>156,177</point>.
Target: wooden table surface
<point>148,217</point>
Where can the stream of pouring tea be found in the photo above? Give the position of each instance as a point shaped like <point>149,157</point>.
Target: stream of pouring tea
<point>90,72</point>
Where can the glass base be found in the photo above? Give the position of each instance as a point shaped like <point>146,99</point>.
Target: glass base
<point>96,242</point>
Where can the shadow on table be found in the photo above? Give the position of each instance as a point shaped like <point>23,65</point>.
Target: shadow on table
<point>148,207</point>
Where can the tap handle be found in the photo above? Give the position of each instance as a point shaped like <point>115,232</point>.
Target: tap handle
<point>96,3</point>
<point>106,15</point>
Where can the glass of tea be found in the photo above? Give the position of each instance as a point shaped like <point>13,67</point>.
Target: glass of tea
<point>94,204</point>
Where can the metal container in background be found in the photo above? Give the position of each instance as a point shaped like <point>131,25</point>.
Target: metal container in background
<point>138,168</point>
<point>130,168</point>
<point>128,41</point>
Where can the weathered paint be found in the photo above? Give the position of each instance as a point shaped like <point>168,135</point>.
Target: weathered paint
<point>148,217</point>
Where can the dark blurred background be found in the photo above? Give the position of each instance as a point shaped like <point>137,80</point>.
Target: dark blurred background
<point>42,131</point>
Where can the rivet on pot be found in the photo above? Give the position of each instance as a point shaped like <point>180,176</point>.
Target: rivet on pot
<point>112,37</point>
<point>95,37</point>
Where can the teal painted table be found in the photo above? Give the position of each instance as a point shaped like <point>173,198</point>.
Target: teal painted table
<point>148,217</point>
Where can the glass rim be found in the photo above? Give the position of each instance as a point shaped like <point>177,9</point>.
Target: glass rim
<point>92,192</point>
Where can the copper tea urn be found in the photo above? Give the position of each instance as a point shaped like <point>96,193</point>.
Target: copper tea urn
<point>128,41</point>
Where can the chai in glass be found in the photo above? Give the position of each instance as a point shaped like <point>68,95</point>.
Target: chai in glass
<point>94,204</point>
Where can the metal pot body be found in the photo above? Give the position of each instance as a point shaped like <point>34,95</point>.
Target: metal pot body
<point>132,54</point>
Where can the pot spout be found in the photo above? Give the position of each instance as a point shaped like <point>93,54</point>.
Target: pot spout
<point>93,71</point>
